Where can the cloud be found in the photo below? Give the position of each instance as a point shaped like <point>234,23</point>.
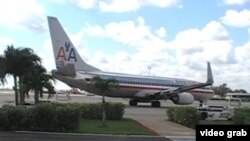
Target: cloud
<point>242,52</point>
<point>149,45</point>
<point>133,33</point>
<point>237,2</point>
<point>161,32</point>
<point>183,56</point>
<point>208,44</point>
<point>132,5</point>
<point>189,45</point>
<point>86,4</point>
<point>26,14</point>
<point>239,72</point>
<point>237,19</point>
<point>119,6</point>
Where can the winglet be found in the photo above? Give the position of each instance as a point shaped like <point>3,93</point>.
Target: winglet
<point>210,79</point>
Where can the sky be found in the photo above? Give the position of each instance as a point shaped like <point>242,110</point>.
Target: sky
<point>169,38</point>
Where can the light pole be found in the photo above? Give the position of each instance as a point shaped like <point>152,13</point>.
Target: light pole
<point>149,68</point>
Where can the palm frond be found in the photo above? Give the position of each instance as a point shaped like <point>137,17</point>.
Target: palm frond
<point>104,85</point>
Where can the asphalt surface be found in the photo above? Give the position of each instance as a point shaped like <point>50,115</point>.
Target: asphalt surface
<point>35,136</point>
<point>156,119</point>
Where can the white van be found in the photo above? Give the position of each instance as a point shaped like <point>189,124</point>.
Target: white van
<point>220,112</point>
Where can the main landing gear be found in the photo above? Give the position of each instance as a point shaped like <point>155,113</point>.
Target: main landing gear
<point>201,103</point>
<point>133,102</point>
<point>154,103</point>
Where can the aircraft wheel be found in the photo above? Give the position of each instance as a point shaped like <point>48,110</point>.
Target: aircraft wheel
<point>133,103</point>
<point>156,104</point>
<point>201,103</point>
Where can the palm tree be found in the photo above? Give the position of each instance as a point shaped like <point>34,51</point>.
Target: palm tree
<point>2,70</point>
<point>102,86</point>
<point>16,62</point>
<point>28,62</point>
<point>9,65</point>
<point>37,79</point>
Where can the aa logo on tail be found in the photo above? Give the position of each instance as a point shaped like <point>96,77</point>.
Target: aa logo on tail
<point>66,53</point>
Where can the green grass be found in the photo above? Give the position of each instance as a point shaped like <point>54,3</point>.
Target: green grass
<point>216,122</point>
<point>114,127</point>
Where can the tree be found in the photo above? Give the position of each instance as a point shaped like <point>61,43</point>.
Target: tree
<point>38,79</point>
<point>221,90</point>
<point>9,63</point>
<point>2,71</point>
<point>102,86</point>
<point>29,61</point>
<point>16,62</point>
<point>239,91</point>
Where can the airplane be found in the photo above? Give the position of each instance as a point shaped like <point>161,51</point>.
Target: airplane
<point>73,71</point>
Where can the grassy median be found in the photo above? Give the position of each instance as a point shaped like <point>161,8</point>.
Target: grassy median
<point>114,127</point>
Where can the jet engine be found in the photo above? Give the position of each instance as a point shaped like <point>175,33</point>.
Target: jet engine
<point>183,98</point>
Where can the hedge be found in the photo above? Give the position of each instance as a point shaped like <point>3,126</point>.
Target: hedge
<point>187,116</point>
<point>242,116</point>
<point>54,116</point>
<point>43,117</point>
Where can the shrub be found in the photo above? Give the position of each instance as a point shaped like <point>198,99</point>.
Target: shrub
<point>187,116</point>
<point>28,119</point>
<point>93,111</point>
<point>15,117</point>
<point>114,111</point>
<point>67,119</point>
<point>4,122</point>
<point>170,112</point>
<point>44,117</point>
<point>55,117</point>
<point>242,116</point>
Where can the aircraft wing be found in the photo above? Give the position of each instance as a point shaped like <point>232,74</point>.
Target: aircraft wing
<point>173,92</point>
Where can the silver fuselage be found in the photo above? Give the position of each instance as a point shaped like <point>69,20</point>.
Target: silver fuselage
<point>134,86</point>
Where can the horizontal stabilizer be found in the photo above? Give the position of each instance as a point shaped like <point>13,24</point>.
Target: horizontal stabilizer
<point>68,70</point>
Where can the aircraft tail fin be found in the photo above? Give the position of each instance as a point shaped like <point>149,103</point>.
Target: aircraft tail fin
<point>64,51</point>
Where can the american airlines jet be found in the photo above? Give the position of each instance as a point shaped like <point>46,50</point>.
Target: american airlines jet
<point>73,71</point>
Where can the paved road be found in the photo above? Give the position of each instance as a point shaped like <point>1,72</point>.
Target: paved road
<point>22,136</point>
<point>156,120</point>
